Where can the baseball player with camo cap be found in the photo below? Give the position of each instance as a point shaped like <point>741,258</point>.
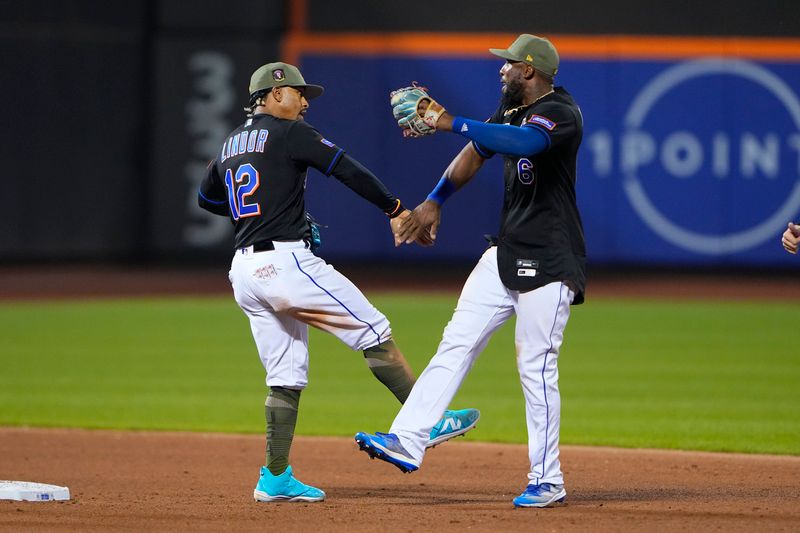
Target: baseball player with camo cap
<point>534,268</point>
<point>258,179</point>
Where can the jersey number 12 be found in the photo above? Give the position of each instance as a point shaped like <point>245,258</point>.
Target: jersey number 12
<point>239,187</point>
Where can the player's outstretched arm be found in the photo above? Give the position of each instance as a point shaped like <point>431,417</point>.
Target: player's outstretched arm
<point>427,215</point>
<point>418,114</point>
<point>499,138</point>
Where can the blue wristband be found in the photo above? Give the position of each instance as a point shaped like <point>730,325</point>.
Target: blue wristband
<point>443,190</point>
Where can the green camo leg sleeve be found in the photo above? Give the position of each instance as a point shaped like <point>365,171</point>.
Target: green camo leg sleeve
<point>280,410</point>
<point>391,368</point>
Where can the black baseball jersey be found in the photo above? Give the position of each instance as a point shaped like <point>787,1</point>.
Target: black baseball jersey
<point>259,178</point>
<point>541,234</point>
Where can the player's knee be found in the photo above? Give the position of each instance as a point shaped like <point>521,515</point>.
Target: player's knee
<point>283,395</point>
<point>383,350</point>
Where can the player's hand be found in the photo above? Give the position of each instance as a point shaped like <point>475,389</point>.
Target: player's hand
<point>397,223</point>
<point>415,111</point>
<point>407,230</point>
<point>422,226</point>
<point>429,214</point>
<point>791,238</point>
<point>445,120</point>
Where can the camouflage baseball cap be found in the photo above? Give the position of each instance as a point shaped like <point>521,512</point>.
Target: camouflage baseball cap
<point>282,75</point>
<point>533,50</point>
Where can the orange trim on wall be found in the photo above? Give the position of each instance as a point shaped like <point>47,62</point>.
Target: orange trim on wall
<point>569,46</point>
<point>298,14</point>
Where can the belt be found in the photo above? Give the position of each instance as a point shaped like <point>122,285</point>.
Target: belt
<point>268,246</point>
<point>263,246</point>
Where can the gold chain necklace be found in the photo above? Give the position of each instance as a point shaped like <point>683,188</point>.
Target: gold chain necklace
<point>551,91</point>
<point>513,109</point>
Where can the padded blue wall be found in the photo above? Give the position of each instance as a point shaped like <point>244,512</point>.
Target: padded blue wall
<point>692,162</point>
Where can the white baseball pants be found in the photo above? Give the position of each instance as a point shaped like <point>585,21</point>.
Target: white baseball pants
<point>284,291</point>
<point>484,305</point>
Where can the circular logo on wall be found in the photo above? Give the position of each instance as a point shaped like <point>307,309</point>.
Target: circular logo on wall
<point>729,138</point>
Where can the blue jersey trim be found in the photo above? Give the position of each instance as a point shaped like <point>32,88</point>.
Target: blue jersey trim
<point>334,297</point>
<point>481,151</point>
<point>200,193</point>
<point>335,160</point>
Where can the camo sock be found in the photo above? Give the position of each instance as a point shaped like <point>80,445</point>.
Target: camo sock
<point>280,410</point>
<point>390,367</point>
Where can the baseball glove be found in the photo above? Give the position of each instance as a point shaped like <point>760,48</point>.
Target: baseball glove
<point>415,111</point>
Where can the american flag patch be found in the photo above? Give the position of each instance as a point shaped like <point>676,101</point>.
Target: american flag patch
<point>542,121</point>
<point>326,142</point>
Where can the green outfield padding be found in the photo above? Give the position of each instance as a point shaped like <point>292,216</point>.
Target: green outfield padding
<point>690,375</point>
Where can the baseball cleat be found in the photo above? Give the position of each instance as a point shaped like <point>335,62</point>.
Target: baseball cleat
<point>284,488</point>
<point>386,447</point>
<point>453,424</point>
<point>543,495</point>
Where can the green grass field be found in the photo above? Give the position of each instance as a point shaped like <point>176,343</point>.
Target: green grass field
<point>690,375</point>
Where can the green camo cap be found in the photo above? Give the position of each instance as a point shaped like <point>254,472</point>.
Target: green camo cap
<point>282,75</point>
<point>535,51</point>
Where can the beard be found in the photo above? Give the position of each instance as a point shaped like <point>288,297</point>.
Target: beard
<point>512,96</point>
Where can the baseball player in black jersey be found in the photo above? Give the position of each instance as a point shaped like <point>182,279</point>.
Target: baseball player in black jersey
<point>534,267</point>
<point>259,180</point>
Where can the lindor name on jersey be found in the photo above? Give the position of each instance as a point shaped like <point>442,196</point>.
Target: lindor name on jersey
<point>244,142</point>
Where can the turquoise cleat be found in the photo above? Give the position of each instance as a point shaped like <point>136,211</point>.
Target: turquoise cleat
<point>284,488</point>
<point>453,424</point>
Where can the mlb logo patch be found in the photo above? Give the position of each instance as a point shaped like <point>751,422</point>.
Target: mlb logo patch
<point>326,142</point>
<point>542,121</point>
<point>278,74</point>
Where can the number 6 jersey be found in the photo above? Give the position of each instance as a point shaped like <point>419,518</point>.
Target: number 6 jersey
<point>541,235</point>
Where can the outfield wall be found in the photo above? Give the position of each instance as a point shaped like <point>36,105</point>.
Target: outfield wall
<point>691,152</point>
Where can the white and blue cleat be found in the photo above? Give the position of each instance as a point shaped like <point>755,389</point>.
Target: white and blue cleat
<point>543,495</point>
<point>453,424</point>
<point>284,488</point>
<point>386,447</point>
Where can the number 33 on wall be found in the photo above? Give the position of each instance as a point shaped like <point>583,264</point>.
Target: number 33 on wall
<point>241,186</point>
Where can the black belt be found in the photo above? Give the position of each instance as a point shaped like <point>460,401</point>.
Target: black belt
<point>267,246</point>
<point>263,246</point>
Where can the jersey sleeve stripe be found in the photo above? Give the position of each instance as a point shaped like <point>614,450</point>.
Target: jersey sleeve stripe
<point>483,153</point>
<point>215,202</point>
<point>335,160</point>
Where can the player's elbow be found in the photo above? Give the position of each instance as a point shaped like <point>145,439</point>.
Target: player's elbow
<point>217,208</point>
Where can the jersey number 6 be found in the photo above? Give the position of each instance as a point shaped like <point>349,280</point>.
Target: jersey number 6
<point>525,171</point>
<point>239,188</point>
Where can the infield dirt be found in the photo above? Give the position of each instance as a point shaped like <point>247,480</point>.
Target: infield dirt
<point>149,481</point>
